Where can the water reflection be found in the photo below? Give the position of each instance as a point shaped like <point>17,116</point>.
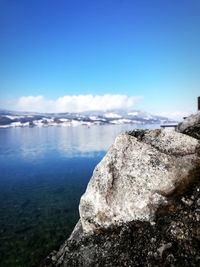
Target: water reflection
<point>44,172</point>
<point>37,143</point>
<point>85,141</point>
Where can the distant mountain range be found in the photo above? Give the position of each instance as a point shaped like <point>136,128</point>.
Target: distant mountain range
<point>31,119</point>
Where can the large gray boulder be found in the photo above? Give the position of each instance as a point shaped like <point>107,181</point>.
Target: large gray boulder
<point>190,126</point>
<point>137,175</point>
<point>172,240</point>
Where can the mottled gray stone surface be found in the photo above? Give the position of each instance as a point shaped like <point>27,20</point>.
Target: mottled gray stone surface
<point>145,176</point>
<point>190,126</point>
<point>138,173</point>
<point>172,240</point>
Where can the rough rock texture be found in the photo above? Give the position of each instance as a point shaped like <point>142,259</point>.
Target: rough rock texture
<point>172,240</point>
<point>145,175</point>
<point>190,126</point>
<point>137,175</point>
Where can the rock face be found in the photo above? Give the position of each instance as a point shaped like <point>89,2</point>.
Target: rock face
<point>142,204</point>
<point>137,176</point>
<point>190,126</point>
<point>172,240</point>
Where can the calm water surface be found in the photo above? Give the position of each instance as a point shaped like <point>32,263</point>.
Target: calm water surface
<point>43,173</point>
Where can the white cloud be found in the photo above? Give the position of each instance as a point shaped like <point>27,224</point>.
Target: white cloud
<point>76,103</point>
<point>28,103</point>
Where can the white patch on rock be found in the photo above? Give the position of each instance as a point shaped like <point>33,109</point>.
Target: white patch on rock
<point>135,177</point>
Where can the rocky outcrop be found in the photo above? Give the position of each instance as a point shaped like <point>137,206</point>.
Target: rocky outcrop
<point>190,126</point>
<point>173,239</point>
<point>141,206</point>
<point>138,173</point>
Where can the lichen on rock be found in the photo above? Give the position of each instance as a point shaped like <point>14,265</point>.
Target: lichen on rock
<point>142,204</point>
<point>172,240</point>
<point>135,177</point>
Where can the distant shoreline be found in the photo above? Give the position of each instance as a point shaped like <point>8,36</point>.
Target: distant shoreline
<point>11,119</point>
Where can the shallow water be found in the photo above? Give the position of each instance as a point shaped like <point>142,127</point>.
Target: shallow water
<point>43,173</point>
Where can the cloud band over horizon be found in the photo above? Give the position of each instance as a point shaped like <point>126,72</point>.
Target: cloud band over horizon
<point>76,103</point>
<point>87,102</point>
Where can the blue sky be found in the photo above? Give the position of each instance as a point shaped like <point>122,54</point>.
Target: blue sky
<point>145,49</point>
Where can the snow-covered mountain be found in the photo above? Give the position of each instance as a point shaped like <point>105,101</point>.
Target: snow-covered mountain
<point>30,119</point>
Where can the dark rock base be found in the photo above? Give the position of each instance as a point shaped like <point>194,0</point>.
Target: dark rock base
<point>173,239</point>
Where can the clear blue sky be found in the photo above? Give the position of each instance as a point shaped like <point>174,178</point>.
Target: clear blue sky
<point>147,48</point>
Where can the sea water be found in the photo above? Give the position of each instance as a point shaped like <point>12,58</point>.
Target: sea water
<point>43,173</point>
